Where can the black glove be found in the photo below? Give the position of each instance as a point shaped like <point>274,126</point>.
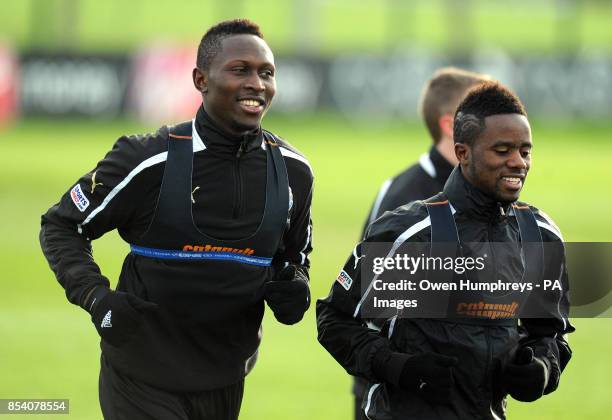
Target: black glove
<point>117,315</point>
<point>288,295</point>
<point>430,375</point>
<point>526,378</point>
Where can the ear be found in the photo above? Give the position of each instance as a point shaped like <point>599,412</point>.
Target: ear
<point>445,122</point>
<point>462,152</point>
<point>200,80</point>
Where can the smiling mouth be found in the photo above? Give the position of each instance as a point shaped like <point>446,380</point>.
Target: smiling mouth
<point>251,106</point>
<point>512,182</point>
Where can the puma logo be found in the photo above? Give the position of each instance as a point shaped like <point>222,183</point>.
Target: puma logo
<point>357,261</point>
<point>357,257</point>
<point>93,182</point>
<point>192,192</point>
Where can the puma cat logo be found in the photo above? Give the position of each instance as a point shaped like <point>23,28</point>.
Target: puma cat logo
<point>93,182</point>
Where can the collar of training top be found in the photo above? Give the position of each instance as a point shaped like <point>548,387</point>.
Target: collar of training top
<point>443,166</point>
<point>468,199</point>
<point>220,142</point>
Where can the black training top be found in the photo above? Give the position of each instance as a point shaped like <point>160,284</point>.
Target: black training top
<point>207,329</point>
<point>379,356</point>
<point>417,182</point>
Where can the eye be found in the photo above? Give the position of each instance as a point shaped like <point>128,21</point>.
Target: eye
<point>239,70</point>
<point>266,74</point>
<point>502,150</point>
<point>526,153</point>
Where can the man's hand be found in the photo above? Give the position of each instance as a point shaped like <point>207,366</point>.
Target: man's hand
<point>288,295</point>
<point>430,375</point>
<point>525,378</point>
<point>118,315</point>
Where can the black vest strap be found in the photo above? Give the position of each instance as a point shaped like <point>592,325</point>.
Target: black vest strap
<point>528,225</point>
<point>175,194</point>
<point>531,241</point>
<point>444,242</point>
<point>443,227</point>
<point>277,182</point>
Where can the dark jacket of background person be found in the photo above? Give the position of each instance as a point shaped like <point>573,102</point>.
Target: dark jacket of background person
<point>209,336</point>
<point>417,182</point>
<point>482,350</point>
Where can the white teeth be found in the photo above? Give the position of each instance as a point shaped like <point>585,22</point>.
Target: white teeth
<point>512,180</point>
<point>249,102</point>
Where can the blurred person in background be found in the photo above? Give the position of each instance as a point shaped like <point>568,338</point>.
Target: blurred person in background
<point>217,214</point>
<point>460,367</point>
<point>440,97</point>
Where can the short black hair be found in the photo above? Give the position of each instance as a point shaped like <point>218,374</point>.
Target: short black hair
<point>210,45</point>
<point>488,98</point>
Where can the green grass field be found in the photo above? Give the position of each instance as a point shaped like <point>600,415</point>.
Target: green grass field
<point>49,349</point>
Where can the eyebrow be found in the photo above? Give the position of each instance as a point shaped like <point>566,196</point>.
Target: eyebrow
<point>246,62</point>
<point>504,143</point>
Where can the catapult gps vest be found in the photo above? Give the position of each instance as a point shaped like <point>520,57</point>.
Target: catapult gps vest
<point>445,242</point>
<point>173,234</point>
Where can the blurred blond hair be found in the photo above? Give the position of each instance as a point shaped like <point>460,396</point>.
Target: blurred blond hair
<point>443,93</point>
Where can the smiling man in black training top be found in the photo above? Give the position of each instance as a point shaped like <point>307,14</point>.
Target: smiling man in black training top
<point>440,97</point>
<point>217,214</point>
<point>464,367</point>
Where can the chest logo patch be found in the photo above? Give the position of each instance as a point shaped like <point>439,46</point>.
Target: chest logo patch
<point>78,198</point>
<point>211,248</point>
<point>345,280</point>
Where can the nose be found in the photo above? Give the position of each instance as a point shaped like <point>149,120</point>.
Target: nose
<point>517,161</point>
<point>254,82</point>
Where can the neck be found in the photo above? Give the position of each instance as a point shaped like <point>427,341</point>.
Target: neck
<point>446,147</point>
<point>468,198</point>
<point>220,141</point>
<point>487,196</point>
<point>224,129</point>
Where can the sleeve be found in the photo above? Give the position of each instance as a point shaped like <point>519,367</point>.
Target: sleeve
<point>548,335</point>
<point>377,209</point>
<point>360,350</point>
<point>297,239</point>
<point>100,201</point>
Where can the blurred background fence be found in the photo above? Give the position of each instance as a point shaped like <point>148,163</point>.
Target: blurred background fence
<point>365,58</point>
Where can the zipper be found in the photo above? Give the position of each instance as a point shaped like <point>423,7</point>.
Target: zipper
<point>490,236</point>
<point>488,382</point>
<point>238,183</point>
<point>492,250</point>
<point>488,379</point>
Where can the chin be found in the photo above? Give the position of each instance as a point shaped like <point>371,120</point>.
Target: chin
<point>245,126</point>
<point>508,198</point>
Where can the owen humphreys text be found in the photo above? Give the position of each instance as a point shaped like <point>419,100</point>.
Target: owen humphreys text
<point>386,271</point>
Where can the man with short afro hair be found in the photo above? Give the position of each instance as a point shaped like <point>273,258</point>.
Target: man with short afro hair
<point>440,96</point>
<point>210,45</point>
<point>490,98</point>
<point>465,364</point>
<point>216,213</point>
